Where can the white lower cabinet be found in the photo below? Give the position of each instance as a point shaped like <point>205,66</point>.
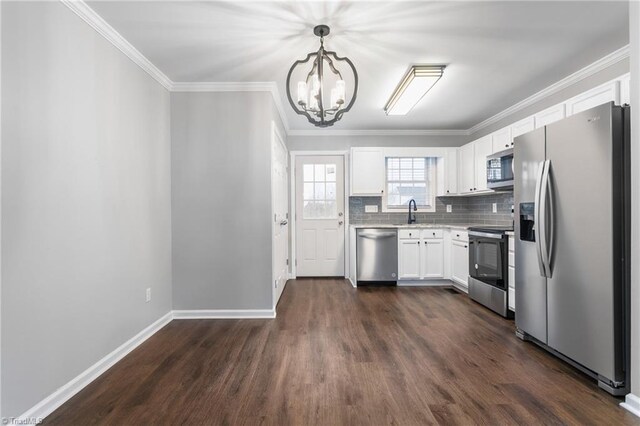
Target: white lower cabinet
<point>432,252</point>
<point>408,259</point>
<point>460,262</point>
<point>420,258</point>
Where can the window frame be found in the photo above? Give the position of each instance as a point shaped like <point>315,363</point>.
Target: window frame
<point>431,184</point>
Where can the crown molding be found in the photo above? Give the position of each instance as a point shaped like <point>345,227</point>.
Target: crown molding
<point>381,132</point>
<point>591,69</point>
<point>88,15</point>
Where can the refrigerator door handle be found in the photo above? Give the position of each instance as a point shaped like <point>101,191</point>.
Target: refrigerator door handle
<point>542,220</point>
<point>538,215</point>
<point>549,213</point>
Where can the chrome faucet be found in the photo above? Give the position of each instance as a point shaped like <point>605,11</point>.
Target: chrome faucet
<point>412,218</point>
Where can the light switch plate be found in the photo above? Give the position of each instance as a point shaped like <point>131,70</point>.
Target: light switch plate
<point>371,209</point>
<point>448,208</point>
<point>495,207</point>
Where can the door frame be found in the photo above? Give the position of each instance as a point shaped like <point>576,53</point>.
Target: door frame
<point>276,137</point>
<point>292,206</point>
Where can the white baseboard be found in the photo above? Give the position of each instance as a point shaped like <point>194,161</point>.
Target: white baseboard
<point>632,404</point>
<point>64,393</point>
<point>425,283</point>
<point>224,313</point>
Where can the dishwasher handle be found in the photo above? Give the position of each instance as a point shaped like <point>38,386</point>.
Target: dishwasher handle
<point>377,235</point>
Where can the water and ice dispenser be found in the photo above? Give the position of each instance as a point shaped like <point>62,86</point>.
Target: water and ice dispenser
<point>527,222</point>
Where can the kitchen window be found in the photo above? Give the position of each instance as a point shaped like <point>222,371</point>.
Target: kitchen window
<point>409,178</point>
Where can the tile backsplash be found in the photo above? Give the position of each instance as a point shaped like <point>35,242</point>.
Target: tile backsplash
<point>474,209</point>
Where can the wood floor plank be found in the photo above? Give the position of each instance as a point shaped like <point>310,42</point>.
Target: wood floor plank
<point>338,355</point>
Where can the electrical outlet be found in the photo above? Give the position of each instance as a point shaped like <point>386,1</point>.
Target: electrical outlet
<point>448,208</point>
<point>371,209</point>
<point>495,207</point>
<point>148,298</point>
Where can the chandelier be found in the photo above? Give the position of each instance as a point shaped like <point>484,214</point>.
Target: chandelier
<point>323,82</point>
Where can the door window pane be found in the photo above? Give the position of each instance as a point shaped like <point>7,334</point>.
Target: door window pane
<point>331,172</point>
<point>307,174</point>
<point>308,191</point>
<point>319,177</point>
<point>331,191</point>
<point>320,191</point>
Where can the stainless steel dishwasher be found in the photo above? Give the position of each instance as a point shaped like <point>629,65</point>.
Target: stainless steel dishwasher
<point>377,255</point>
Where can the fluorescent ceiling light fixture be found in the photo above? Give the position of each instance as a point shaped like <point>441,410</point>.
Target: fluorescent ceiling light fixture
<point>415,84</point>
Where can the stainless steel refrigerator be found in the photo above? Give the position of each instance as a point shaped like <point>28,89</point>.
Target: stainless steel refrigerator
<point>572,241</point>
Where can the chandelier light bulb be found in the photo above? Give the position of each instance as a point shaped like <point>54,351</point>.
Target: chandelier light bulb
<point>302,93</point>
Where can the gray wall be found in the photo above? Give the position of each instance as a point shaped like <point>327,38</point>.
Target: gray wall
<point>221,200</point>
<point>475,210</point>
<point>85,200</point>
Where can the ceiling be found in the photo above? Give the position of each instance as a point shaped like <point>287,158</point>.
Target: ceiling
<point>497,53</point>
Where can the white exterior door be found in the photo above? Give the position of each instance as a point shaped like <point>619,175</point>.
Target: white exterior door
<point>320,216</point>
<point>280,214</point>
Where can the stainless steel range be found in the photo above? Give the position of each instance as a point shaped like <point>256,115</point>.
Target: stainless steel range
<point>488,267</point>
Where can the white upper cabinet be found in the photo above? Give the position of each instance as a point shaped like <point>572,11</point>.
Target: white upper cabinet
<point>472,165</point>
<point>523,126</point>
<point>483,148</point>
<point>367,171</point>
<point>549,115</point>
<point>594,97</point>
<point>451,172</point>
<point>625,90</point>
<point>501,140</point>
<point>466,169</point>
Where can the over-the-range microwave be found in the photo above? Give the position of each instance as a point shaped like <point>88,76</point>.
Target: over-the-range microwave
<point>500,170</point>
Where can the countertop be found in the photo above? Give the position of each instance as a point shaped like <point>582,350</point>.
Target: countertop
<point>510,233</point>
<point>464,226</point>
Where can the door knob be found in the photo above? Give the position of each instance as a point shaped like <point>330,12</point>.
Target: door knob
<point>340,223</point>
<point>340,214</point>
<point>283,222</point>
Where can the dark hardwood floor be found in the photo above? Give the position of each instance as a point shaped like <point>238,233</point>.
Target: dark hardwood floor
<point>336,355</point>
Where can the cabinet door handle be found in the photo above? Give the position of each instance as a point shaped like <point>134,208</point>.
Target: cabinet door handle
<point>507,146</point>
